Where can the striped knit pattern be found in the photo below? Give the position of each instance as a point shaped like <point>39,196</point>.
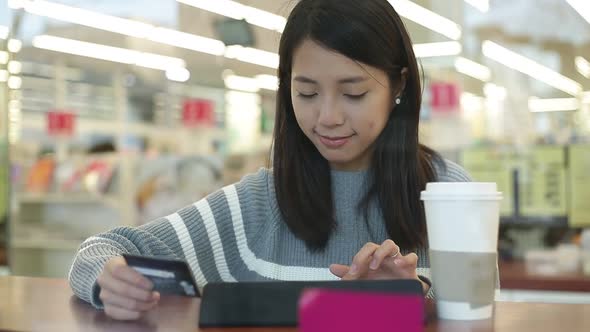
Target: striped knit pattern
<point>237,234</point>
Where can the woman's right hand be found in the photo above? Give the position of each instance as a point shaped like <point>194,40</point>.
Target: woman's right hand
<point>125,293</point>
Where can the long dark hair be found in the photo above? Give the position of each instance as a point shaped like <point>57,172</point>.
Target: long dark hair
<point>370,32</point>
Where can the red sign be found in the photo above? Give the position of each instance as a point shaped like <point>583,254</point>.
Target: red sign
<point>60,123</point>
<point>444,97</point>
<point>198,112</point>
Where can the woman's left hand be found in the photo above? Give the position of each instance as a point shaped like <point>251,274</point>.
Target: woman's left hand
<point>380,262</point>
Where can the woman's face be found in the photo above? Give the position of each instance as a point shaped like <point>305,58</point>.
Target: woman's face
<point>341,105</point>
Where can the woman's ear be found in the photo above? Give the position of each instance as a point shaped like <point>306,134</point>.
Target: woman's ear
<point>404,77</point>
<point>398,94</point>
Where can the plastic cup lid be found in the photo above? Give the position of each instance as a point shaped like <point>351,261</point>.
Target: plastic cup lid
<point>463,189</point>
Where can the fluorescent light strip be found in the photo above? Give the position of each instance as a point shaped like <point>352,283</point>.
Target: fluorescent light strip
<point>481,5</point>
<point>473,69</point>
<point>268,82</point>
<point>14,67</point>
<point>178,74</point>
<point>427,18</point>
<point>583,66</point>
<point>14,45</point>
<point>88,18</point>
<point>471,102</point>
<point>3,57</point>
<point>241,83</point>
<point>3,75</point>
<point>16,4</point>
<point>437,49</point>
<point>109,53</point>
<point>493,91</point>
<point>582,7</point>
<point>553,105</point>
<point>14,82</point>
<point>187,41</point>
<point>529,67</point>
<point>252,55</point>
<point>238,11</point>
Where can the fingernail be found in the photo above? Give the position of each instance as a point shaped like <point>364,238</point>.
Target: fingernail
<point>374,265</point>
<point>353,269</point>
<point>155,295</point>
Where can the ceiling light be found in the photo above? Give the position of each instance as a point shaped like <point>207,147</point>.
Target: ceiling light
<point>427,18</point>
<point>15,82</point>
<point>241,83</point>
<point>14,67</point>
<point>187,41</point>
<point>583,66</point>
<point>14,45</point>
<point>178,74</point>
<point>473,69</point>
<point>238,11</point>
<point>3,75</point>
<point>252,55</point>
<point>481,5</point>
<point>553,105</point>
<point>16,4</point>
<point>471,102</point>
<point>268,82</point>
<point>582,7</point>
<point>3,57</point>
<point>156,61</point>
<point>437,49</point>
<point>109,53</point>
<point>493,91</point>
<point>529,67</point>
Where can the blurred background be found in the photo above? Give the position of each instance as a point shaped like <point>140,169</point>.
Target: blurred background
<point>117,112</point>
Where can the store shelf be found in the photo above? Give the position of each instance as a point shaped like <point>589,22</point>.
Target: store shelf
<point>45,244</point>
<point>535,221</point>
<point>30,198</point>
<point>38,121</point>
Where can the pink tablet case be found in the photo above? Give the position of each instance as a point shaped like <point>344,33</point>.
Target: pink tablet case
<point>322,310</point>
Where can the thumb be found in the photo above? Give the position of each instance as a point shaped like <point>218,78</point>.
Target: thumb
<point>339,270</point>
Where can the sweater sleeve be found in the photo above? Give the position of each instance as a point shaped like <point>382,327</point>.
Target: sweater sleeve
<point>194,234</point>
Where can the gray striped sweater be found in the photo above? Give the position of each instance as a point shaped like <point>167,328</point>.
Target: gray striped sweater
<point>237,234</point>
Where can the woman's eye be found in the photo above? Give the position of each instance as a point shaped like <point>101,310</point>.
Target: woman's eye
<point>306,96</point>
<point>355,97</point>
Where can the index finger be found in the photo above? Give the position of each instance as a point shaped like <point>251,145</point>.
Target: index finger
<point>360,262</point>
<point>387,248</point>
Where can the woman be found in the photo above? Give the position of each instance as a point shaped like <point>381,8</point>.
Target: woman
<point>342,199</point>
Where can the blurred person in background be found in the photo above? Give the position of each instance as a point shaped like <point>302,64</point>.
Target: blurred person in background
<point>342,200</point>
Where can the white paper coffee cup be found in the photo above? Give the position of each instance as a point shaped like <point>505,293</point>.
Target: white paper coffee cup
<point>462,219</point>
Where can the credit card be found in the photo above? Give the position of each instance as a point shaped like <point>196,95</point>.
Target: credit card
<point>170,277</point>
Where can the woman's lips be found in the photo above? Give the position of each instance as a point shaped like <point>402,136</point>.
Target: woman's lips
<point>334,142</point>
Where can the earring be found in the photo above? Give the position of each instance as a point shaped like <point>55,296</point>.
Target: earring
<point>398,100</point>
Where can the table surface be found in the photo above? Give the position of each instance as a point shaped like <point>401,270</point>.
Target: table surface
<point>39,304</point>
<point>513,275</point>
